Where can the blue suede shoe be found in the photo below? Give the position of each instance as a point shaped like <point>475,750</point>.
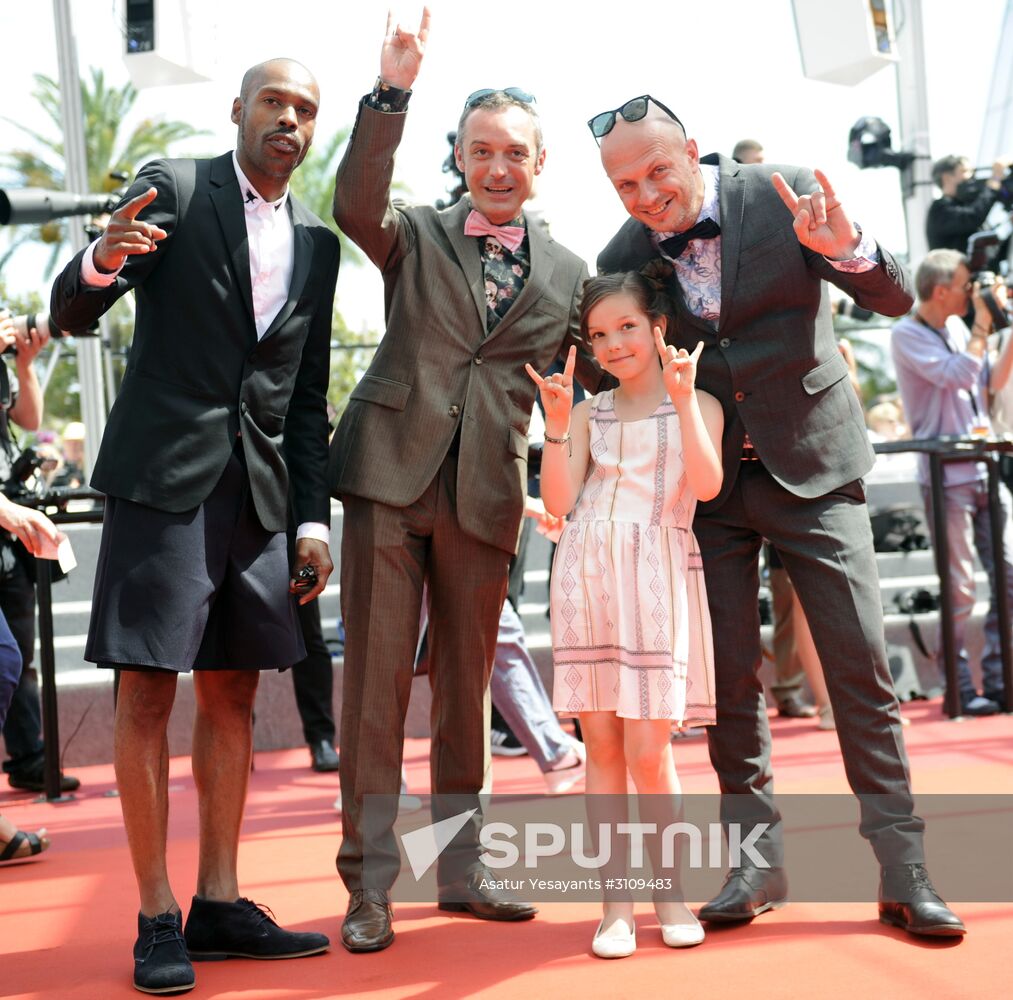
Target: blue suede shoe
<point>217,930</point>
<point>161,964</point>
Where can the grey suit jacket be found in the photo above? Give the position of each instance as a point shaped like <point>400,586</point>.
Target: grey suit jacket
<point>773,360</point>
<point>197,375</point>
<point>436,369</point>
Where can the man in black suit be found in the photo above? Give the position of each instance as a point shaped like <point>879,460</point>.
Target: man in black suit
<point>749,279</point>
<point>223,400</point>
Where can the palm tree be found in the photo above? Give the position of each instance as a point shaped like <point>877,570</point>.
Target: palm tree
<point>105,109</point>
<point>313,185</point>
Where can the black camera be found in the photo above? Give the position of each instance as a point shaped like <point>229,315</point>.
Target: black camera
<point>983,250</point>
<point>918,601</point>
<point>898,528</point>
<point>305,580</point>
<point>23,468</point>
<point>851,309</point>
<point>987,280</point>
<point>968,191</point>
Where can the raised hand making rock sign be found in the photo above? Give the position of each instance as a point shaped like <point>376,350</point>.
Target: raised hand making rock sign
<point>678,366</point>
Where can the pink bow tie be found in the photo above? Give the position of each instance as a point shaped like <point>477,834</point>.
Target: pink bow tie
<point>478,225</point>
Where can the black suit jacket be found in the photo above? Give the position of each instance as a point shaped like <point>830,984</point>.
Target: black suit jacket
<point>197,375</point>
<point>773,360</point>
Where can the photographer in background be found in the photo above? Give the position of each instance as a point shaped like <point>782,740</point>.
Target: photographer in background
<point>21,403</point>
<point>965,202</point>
<point>945,379</point>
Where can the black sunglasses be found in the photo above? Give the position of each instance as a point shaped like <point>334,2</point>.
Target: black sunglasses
<point>515,92</point>
<point>632,111</point>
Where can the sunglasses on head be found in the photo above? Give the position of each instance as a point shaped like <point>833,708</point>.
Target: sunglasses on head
<point>515,92</point>
<point>632,111</point>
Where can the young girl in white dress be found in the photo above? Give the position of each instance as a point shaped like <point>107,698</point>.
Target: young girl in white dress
<point>630,626</point>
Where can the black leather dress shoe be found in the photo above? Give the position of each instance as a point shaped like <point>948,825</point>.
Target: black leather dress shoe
<point>475,894</point>
<point>907,899</point>
<point>216,930</point>
<point>793,707</point>
<point>367,925</point>
<point>747,893</point>
<point>325,757</point>
<point>35,781</point>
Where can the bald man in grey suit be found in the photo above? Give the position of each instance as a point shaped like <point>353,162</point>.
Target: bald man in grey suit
<point>748,250</point>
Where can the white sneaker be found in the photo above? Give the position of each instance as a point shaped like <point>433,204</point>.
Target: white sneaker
<point>619,941</point>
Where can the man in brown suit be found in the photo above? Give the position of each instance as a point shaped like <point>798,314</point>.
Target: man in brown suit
<point>429,460</point>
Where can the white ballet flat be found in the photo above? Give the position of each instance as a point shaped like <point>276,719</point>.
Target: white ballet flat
<point>616,943</point>
<point>682,935</point>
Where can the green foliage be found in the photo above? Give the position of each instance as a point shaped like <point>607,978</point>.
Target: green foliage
<point>351,354</point>
<point>105,109</point>
<point>107,151</point>
<point>313,185</point>
<point>871,344</point>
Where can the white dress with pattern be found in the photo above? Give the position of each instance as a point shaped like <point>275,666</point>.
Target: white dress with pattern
<point>631,630</point>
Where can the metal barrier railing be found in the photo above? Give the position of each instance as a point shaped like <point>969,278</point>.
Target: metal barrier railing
<point>941,451</point>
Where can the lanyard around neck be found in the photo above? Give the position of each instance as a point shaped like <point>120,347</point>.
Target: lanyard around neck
<point>946,343</point>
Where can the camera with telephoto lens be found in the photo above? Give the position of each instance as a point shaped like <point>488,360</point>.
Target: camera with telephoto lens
<point>41,322</point>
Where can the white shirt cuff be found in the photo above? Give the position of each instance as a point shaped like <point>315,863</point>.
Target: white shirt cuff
<point>865,259</point>
<point>91,275</point>
<point>314,529</point>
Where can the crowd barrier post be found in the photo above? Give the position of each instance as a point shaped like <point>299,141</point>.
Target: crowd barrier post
<point>47,653</point>
<point>942,451</point>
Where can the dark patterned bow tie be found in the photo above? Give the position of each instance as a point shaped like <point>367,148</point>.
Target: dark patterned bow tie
<point>675,245</point>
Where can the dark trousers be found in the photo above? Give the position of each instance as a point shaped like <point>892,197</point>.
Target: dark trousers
<point>10,668</point>
<point>387,555</point>
<point>826,547</point>
<point>313,678</point>
<point>23,727</point>
<point>788,673</point>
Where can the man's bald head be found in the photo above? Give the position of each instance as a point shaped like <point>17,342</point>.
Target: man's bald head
<point>276,113</point>
<point>256,76</point>
<point>656,123</point>
<point>655,170</point>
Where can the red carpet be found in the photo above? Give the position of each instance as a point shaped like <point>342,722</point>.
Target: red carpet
<point>67,920</point>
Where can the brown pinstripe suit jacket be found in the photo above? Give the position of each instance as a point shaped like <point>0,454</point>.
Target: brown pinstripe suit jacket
<point>436,367</point>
